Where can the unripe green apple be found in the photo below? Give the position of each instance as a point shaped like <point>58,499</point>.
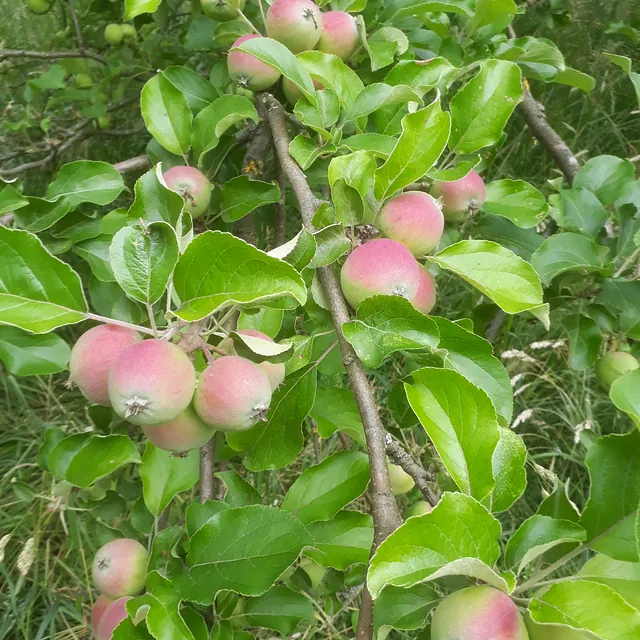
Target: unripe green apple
<point>104,122</point>
<point>314,571</point>
<point>38,6</point>
<point>418,509</point>
<point>615,364</point>
<point>113,34</point>
<point>401,481</point>
<point>83,80</point>
<point>222,10</point>
<point>477,613</point>
<point>128,31</point>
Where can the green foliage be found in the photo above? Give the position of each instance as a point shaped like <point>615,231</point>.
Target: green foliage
<point>428,95</point>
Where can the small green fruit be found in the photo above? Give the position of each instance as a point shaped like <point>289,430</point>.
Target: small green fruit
<point>83,80</point>
<point>222,10</point>
<point>129,31</point>
<point>104,122</point>
<point>38,6</point>
<point>418,509</point>
<point>615,364</point>
<point>113,34</point>
<point>401,482</point>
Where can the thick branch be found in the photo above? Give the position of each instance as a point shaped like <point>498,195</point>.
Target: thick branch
<point>50,55</point>
<point>420,476</point>
<point>137,163</point>
<point>385,510</point>
<point>386,516</point>
<point>280,234</point>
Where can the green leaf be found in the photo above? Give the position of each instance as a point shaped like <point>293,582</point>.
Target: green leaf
<point>218,117</point>
<point>505,278</point>
<point>537,535</point>
<point>574,78</point>
<point>280,609</point>
<point>582,211</point>
<point>37,291</point>
<point>381,52</point>
<point>11,199</point>
<point>322,117</point>
<point>244,550</point>
<point>481,109</point>
<point>25,354</point>
<point>41,214</point>
<point>267,321</point>
<point>606,176</point>
<point>621,298</point>
<point>331,244</point>
<point>160,608</point>
<point>154,201</point>
<point>403,609</point>
<point>509,458</point>
<point>86,181</point>
<point>624,394</point>
<point>239,492</point>
<point>376,143</point>
<point>166,114</point>
<point>164,475</point>
<point>472,356</point>
<point>198,514</point>
<point>609,515</point>
<point>625,64</point>
<point>241,196</point>
<point>567,252</point>
<point>143,259</point>
<point>523,242</point>
<point>421,75</point>
<point>386,324</point>
<point>333,74</point>
<point>260,350</point>
<point>461,422</point>
<point>276,55</point>
<point>197,90</point>
<point>344,540</point>
<point>133,8</point>
<point>405,8</point>
<point>96,252</point>
<point>490,17</point>
<point>336,410</point>
<point>424,137</point>
<point>622,577</point>
<point>516,200</point>
<point>540,54</point>
<point>460,170</point>
<point>165,551</point>
<point>109,300</point>
<point>83,458</point>
<point>585,339</point>
<point>218,269</point>
<point>587,606</point>
<point>351,178</point>
<point>325,488</point>
<point>459,535</point>
<point>379,95</point>
<point>276,443</point>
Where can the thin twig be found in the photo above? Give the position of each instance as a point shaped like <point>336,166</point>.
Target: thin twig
<point>386,515</point>
<point>534,115</point>
<point>535,580</point>
<point>316,440</point>
<point>420,476</point>
<point>50,55</point>
<point>247,21</point>
<point>76,25</point>
<point>626,263</point>
<point>119,323</point>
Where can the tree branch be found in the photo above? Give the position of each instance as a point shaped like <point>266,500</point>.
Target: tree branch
<point>76,25</point>
<point>420,476</point>
<point>50,55</point>
<point>207,464</point>
<point>534,115</point>
<point>137,163</point>
<point>386,516</point>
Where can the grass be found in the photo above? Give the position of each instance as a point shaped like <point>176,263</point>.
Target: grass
<point>556,409</point>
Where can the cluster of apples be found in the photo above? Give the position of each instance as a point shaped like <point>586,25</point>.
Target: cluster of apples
<point>413,223</point>
<point>115,33</point>
<point>152,383</point>
<point>299,25</point>
<point>119,571</point>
